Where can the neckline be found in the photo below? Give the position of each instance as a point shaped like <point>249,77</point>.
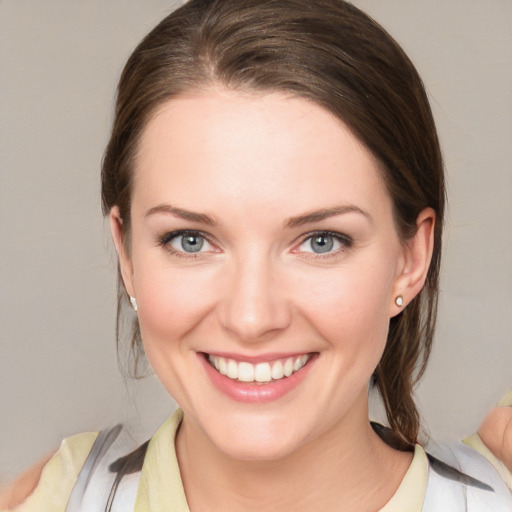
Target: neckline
<point>161,489</point>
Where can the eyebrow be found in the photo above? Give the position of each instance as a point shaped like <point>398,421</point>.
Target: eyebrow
<point>202,218</point>
<point>292,222</point>
<point>325,213</point>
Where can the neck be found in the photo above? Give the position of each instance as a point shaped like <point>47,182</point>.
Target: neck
<point>348,467</point>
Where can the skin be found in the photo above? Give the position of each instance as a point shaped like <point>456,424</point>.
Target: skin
<point>257,287</point>
<point>17,492</point>
<point>331,455</point>
<point>496,433</point>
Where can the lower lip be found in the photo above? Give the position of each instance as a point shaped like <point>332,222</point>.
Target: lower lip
<point>250,392</point>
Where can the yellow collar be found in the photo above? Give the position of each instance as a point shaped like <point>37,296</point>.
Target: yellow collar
<point>160,487</point>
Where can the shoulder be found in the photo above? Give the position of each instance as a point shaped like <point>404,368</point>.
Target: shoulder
<point>86,473</point>
<point>48,484</point>
<point>459,477</point>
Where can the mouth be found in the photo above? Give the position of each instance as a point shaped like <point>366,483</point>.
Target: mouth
<point>264,372</point>
<point>260,379</point>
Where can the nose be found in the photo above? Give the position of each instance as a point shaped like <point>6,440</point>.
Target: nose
<point>255,306</point>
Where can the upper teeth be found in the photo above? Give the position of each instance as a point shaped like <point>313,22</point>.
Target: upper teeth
<point>260,372</point>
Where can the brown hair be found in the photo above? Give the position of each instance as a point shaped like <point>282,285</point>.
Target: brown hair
<point>328,52</point>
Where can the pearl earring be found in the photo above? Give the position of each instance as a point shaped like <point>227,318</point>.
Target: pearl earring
<point>133,302</point>
<point>399,301</point>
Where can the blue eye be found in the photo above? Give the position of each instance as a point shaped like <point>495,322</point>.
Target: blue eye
<point>186,242</point>
<point>324,243</point>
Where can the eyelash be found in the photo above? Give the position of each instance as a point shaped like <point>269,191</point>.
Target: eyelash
<point>165,240</point>
<point>345,241</point>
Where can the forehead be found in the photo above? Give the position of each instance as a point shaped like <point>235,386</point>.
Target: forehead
<point>255,148</point>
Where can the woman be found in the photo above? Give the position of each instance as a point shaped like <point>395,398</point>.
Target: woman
<point>275,190</point>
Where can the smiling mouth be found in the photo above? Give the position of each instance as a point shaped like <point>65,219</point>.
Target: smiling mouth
<point>260,373</point>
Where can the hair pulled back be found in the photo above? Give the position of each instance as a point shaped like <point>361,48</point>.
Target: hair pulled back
<point>330,53</point>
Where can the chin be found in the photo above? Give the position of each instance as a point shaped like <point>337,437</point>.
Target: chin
<point>257,438</point>
<point>258,450</point>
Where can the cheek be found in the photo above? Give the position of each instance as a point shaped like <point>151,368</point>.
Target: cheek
<point>349,307</point>
<point>172,304</point>
<point>171,301</point>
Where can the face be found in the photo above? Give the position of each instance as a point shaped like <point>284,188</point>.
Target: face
<point>265,263</point>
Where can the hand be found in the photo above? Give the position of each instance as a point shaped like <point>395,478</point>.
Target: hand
<point>496,431</point>
<point>19,490</point>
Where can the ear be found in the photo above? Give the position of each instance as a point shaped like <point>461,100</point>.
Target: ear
<point>414,265</point>
<point>125,263</point>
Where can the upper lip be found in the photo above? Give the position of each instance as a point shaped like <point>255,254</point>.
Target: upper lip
<point>259,358</point>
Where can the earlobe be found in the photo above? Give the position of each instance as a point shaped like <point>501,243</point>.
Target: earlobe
<point>125,264</point>
<point>416,262</point>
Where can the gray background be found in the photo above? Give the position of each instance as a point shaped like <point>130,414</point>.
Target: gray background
<point>59,62</point>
